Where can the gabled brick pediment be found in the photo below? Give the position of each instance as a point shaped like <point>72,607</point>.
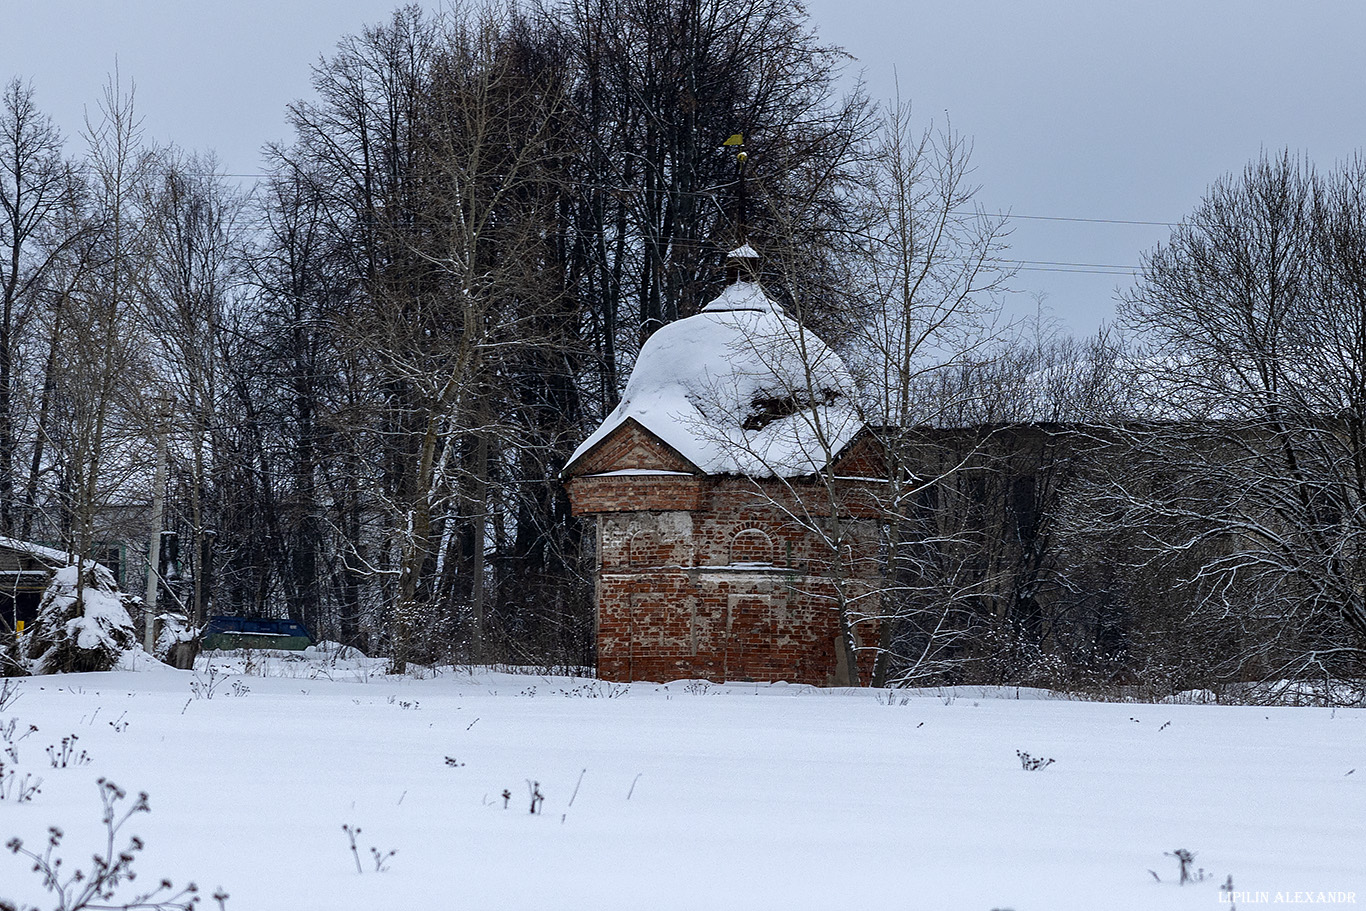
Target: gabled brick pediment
<point>630,447</point>
<point>863,457</point>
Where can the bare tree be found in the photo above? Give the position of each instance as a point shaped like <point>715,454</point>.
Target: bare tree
<point>930,281</point>
<point>1253,318</point>
<point>100,359</point>
<point>36,184</point>
<point>293,523</point>
<point>43,503</point>
<point>488,188</point>
<point>192,223</point>
<point>656,87</point>
<point>987,588</point>
<point>490,205</point>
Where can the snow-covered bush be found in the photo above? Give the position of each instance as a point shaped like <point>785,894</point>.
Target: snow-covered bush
<point>82,623</point>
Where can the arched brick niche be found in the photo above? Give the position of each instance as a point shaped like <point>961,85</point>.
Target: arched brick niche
<point>644,549</point>
<point>751,545</point>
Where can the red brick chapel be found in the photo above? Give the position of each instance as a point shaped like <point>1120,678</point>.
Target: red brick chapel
<point>714,553</point>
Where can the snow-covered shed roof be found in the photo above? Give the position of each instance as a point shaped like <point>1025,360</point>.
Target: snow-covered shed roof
<point>49,555</point>
<point>739,388</point>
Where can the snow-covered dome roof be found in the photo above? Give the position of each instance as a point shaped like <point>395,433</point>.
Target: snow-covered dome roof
<point>740,388</point>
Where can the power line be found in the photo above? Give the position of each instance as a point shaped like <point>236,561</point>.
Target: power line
<point>1023,265</point>
<point>1046,262</point>
<point>1005,215</point>
<point>1093,221</point>
<point>1120,273</point>
<point>1029,265</point>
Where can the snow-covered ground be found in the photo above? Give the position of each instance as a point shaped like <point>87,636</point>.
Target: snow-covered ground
<point>686,795</point>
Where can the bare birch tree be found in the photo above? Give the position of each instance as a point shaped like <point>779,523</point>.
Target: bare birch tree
<point>928,303</point>
<point>99,358</point>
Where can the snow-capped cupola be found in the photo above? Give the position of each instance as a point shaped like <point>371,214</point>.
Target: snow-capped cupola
<point>742,264</point>
<point>737,389</point>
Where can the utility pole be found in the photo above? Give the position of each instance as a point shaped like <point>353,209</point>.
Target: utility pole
<point>154,538</point>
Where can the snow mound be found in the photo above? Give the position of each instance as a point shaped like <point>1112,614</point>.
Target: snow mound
<point>740,388</point>
<point>335,651</point>
<point>135,660</point>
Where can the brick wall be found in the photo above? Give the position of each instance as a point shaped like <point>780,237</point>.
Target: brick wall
<point>720,626</point>
<point>722,578</point>
<point>634,493</point>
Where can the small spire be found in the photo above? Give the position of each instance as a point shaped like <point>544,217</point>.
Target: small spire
<point>742,264</point>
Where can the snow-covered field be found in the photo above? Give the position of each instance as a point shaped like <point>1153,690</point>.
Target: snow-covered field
<point>686,795</point>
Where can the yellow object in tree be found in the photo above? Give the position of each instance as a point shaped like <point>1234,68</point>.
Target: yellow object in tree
<point>734,140</point>
<point>18,626</point>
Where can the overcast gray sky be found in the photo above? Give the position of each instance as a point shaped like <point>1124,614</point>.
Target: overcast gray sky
<point>1079,110</point>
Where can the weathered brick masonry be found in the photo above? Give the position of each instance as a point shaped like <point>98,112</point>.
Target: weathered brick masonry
<point>716,577</point>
